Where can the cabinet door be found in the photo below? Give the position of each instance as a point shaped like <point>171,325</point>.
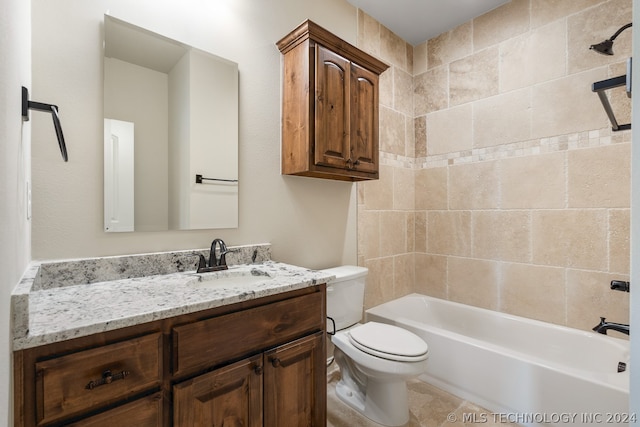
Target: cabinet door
<point>332,109</point>
<point>227,397</point>
<point>364,120</point>
<point>295,384</point>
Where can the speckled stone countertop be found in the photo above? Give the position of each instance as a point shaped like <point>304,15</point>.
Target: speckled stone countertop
<point>64,300</point>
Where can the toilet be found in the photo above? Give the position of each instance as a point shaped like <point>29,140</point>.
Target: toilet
<point>375,359</point>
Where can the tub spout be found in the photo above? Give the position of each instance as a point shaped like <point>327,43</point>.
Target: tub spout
<point>604,326</point>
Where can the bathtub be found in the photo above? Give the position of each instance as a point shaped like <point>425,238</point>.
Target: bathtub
<point>521,370</point>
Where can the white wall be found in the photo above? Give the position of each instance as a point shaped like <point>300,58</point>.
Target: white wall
<point>15,44</point>
<point>309,222</point>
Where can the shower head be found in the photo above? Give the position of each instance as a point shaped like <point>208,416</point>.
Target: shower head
<point>606,47</point>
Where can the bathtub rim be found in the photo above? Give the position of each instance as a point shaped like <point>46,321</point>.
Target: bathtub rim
<point>617,381</point>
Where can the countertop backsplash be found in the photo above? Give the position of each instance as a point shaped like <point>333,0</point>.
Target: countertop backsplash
<point>93,270</point>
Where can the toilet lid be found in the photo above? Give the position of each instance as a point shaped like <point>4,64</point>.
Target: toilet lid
<point>389,342</point>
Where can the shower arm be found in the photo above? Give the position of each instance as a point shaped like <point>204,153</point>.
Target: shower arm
<point>617,33</point>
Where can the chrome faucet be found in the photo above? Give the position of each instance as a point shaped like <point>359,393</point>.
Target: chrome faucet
<point>604,326</point>
<point>215,261</point>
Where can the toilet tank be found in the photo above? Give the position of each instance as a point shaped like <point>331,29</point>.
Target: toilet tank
<point>345,295</point>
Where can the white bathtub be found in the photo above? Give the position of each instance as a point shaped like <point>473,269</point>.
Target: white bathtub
<point>522,370</point>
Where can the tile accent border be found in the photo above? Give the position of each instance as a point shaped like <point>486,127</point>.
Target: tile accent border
<point>573,141</point>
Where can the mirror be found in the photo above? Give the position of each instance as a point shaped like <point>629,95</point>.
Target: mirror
<point>170,134</point>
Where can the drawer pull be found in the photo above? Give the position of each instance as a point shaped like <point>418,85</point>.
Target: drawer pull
<point>107,378</point>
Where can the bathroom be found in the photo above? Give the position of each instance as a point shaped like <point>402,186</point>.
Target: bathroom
<point>542,244</point>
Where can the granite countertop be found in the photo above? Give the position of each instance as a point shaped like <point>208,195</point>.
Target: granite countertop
<point>48,314</point>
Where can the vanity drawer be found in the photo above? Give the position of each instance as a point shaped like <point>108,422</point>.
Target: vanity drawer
<point>220,339</point>
<point>144,412</point>
<point>73,383</point>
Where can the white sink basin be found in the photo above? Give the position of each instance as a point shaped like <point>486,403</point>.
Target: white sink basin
<point>230,278</point>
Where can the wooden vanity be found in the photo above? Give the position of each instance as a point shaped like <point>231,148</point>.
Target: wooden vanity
<point>260,362</point>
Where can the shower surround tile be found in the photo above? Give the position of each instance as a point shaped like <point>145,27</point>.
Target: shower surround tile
<point>392,131</point>
<point>533,57</point>
<point>533,182</point>
<point>600,177</point>
<point>474,186</point>
<point>473,282</point>
<point>514,159</point>
<point>619,237</point>
<point>431,91</point>
<point>474,77</point>
<point>502,235</point>
<point>533,291</point>
<point>545,11</point>
<point>450,46</point>
<point>570,238</point>
<point>500,119</point>
<point>446,132</point>
<point>502,23</point>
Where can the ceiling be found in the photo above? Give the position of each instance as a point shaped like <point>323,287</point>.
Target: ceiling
<point>416,21</point>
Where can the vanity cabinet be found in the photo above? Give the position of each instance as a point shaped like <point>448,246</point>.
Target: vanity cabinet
<point>286,381</point>
<point>281,387</point>
<point>255,363</point>
<point>330,106</point>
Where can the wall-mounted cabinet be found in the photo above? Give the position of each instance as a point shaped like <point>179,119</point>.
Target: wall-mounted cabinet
<point>330,106</point>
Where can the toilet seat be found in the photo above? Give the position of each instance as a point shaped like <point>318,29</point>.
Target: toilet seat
<point>388,342</point>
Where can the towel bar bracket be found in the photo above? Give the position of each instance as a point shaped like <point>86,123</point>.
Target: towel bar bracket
<point>47,108</point>
<point>601,86</point>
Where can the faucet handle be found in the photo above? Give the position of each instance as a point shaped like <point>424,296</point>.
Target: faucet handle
<point>202,262</point>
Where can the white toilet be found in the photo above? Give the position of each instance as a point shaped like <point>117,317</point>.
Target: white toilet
<point>375,359</point>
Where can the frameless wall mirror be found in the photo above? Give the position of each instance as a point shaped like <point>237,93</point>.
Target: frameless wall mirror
<point>170,134</point>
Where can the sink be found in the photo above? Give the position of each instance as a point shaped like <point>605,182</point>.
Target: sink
<point>230,278</point>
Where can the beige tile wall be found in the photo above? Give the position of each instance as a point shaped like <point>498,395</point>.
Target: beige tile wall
<point>502,185</point>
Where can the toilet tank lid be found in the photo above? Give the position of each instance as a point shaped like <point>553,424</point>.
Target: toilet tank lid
<point>346,272</point>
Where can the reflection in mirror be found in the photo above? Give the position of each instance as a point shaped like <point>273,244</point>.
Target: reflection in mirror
<point>171,113</point>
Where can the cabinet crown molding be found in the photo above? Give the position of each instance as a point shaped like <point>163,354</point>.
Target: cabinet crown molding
<point>309,30</point>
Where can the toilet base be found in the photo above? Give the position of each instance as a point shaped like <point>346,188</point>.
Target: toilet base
<point>386,403</point>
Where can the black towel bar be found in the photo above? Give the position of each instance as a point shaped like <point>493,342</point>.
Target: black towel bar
<point>200,178</point>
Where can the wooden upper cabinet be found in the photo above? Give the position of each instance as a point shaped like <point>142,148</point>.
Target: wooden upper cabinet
<point>330,106</point>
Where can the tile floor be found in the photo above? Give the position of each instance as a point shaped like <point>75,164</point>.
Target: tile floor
<point>428,407</point>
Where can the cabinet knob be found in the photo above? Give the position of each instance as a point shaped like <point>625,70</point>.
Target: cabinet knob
<point>258,369</point>
<point>351,163</point>
<point>275,362</point>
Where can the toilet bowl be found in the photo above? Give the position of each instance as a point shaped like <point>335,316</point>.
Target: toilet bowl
<point>375,359</point>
